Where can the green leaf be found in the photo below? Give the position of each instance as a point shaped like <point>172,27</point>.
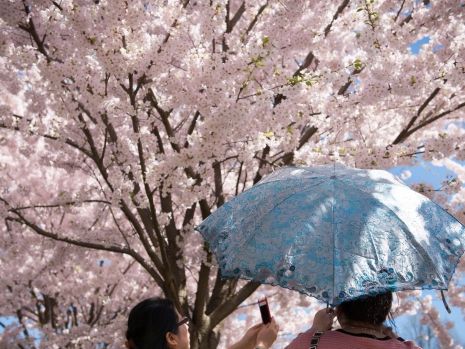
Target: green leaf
<point>258,61</point>
<point>265,41</point>
<point>268,134</point>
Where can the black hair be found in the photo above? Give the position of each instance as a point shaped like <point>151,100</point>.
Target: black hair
<point>148,323</point>
<point>372,309</point>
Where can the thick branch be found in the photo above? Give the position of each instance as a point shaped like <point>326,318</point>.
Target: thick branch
<point>255,19</point>
<point>201,297</point>
<point>56,237</point>
<point>288,158</point>
<point>406,131</point>
<point>230,24</point>
<point>150,221</point>
<point>31,29</point>
<point>156,133</point>
<point>339,10</point>
<point>189,215</point>
<point>223,289</point>
<point>95,156</point>
<point>174,254</point>
<point>54,138</point>
<point>218,184</point>
<point>87,244</point>
<point>432,119</point>
<point>343,89</point>
<point>261,164</point>
<point>306,135</point>
<point>229,305</point>
<point>113,137</point>
<point>172,251</point>
<point>57,5</point>
<point>239,174</point>
<point>164,115</point>
<point>129,215</point>
<point>307,62</point>
<point>191,128</point>
<point>140,232</point>
<point>68,203</point>
<point>400,11</point>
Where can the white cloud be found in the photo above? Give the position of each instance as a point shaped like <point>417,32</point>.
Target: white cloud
<point>405,175</point>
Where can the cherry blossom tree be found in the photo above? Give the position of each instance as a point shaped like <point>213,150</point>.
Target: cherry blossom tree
<point>123,124</point>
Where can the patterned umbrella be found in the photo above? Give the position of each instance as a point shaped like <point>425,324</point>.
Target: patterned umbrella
<point>335,233</point>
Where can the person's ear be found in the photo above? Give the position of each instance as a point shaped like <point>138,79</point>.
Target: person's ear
<point>171,340</point>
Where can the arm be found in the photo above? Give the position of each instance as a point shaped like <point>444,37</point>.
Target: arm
<point>258,336</point>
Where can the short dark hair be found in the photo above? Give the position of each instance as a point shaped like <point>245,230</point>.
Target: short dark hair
<point>148,323</point>
<point>372,309</point>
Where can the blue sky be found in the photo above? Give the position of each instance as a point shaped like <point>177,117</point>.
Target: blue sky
<point>426,172</point>
<point>415,47</point>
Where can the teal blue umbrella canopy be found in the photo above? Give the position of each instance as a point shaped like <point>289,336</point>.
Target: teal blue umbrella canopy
<point>335,233</point>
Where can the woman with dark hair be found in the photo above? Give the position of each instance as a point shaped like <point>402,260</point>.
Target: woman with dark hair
<point>362,322</point>
<point>155,323</point>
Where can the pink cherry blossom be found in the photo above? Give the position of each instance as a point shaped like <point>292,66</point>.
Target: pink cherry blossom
<point>124,123</point>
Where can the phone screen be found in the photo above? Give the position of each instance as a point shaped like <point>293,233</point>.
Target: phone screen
<point>264,310</point>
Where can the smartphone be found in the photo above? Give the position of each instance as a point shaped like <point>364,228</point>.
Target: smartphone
<point>264,310</point>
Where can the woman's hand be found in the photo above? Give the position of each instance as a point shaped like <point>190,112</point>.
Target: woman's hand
<point>249,339</point>
<point>267,335</point>
<point>323,319</point>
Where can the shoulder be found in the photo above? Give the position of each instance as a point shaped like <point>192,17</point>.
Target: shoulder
<point>337,337</point>
<point>302,340</point>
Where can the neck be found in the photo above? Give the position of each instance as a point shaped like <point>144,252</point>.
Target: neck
<point>365,328</point>
<point>358,324</point>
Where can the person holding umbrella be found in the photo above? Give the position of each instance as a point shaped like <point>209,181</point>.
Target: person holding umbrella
<point>154,323</point>
<point>362,326</point>
<point>338,234</point>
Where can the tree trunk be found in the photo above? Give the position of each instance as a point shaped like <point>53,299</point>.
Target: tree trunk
<point>210,340</point>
